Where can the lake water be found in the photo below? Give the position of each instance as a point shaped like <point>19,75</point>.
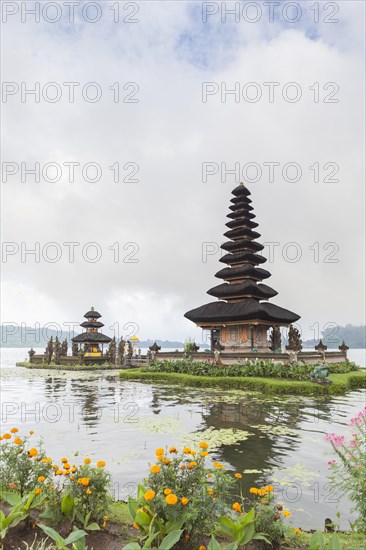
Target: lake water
<point>277,439</point>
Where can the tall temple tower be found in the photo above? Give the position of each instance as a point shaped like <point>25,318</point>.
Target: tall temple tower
<point>240,319</point>
<point>92,338</point>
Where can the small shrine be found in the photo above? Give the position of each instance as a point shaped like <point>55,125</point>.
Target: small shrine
<point>241,317</point>
<point>91,341</point>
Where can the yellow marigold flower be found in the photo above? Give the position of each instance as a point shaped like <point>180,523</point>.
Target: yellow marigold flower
<point>87,461</point>
<point>187,450</point>
<point>236,507</point>
<point>31,432</point>
<point>297,531</point>
<point>46,460</point>
<point>193,453</point>
<point>55,467</point>
<point>41,478</point>
<point>159,451</point>
<point>89,492</point>
<point>202,547</point>
<point>184,501</point>
<point>167,461</point>
<point>253,490</point>
<point>192,465</point>
<point>238,476</point>
<point>33,452</point>
<point>64,460</point>
<point>155,469</point>
<point>18,441</point>
<point>58,473</point>
<point>218,465</point>
<point>66,472</point>
<point>6,436</point>
<point>286,513</point>
<point>171,499</point>
<point>38,491</point>
<point>160,458</point>
<point>67,466</point>
<point>101,464</point>
<point>210,491</point>
<point>149,495</point>
<point>173,450</point>
<point>262,492</point>
<point>84,481</point>
<point>204,453</point>
<point>269,488</point>
<point>1,438</point>
<point>203,445</point>
<point>73,469</point>
<point>14,430</point>
<point>52,487</point>
<point>167,491</point>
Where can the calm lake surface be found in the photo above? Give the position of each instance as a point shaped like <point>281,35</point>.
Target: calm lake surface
<point>277,439</point>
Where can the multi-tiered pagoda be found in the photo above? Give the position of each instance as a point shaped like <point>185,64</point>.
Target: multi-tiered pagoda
<point>92,339</point>
<point>240,319</point>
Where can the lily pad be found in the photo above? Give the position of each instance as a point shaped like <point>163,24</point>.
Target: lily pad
<point>217,438</point>
<point>164,425</point>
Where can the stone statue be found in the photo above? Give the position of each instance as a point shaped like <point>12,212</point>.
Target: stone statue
<point>275,340</point>
<point>294,340</point>
<point>31,352</point>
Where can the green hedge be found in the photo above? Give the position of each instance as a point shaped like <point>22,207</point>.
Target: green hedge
<point>341,382</point>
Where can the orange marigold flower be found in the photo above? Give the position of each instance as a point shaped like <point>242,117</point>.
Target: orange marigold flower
<point>84,481</point>
<point>14,430</point>
<point>159,451</point>
<point>66,472</point>
<point>31,432</point>
<point>184,501</point>
<point>171,499</point>
<point>46,460</point>
<point>18,441</point>
<point>286,513</point>
<point>218,465</point>
<point>87,461</point>
<point>238,476</point>
<point>41,478</point>
<point>167,491</point>
<point>149,495</point>
<point>191,465</point>
<point>269,488</point>
<point>167,461</point>
<point>262,492</point>
<point>155,469</point>
<point>253,490</point>
<point>6,436</point>
<point>89,492</point>
<point>236,507</point>
<point>203,445</point>
<point>72,478</point>
<point>204,453</point>
<point>100,464</point>
<point>210,491</point>
<point>209,475</point>
<point>52,487</point>
<point>73,469</point>
<point>202,547</point>
<point>67,466</point>
<point>38,491</point>
<point>32,452</point>
<point>187,450</point>
<point>64,460</point>
<point>58,473</point>
<point>173,450</point>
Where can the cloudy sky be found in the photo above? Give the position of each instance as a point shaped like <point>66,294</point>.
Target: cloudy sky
<point>150,97</point>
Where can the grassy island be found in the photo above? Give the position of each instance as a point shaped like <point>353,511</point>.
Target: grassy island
<point>263,377</point>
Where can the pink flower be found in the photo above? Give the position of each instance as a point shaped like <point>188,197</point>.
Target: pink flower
<point>331,462</point>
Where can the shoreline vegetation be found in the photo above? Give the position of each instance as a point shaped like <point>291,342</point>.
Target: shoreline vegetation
<point>184,503</point>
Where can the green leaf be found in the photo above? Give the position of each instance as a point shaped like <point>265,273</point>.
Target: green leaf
<point>334,543</point>
<point>93,527</point>
<point>141,490</point>
<point>67,505</point>
<point>132,507</point>
<point>248,534</point>
<point>214,545</point>
<point>317,541</point>
<point>232,546</point>
<point>75,535</point>
<point>53,535</point>
<point>142,518</point>
<point>170,540</point>
<point>132,546</point>
<point>174,525</point>
<point>11,498</point>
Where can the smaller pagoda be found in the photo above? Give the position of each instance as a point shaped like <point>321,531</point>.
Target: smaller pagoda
<point>91,339</point>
